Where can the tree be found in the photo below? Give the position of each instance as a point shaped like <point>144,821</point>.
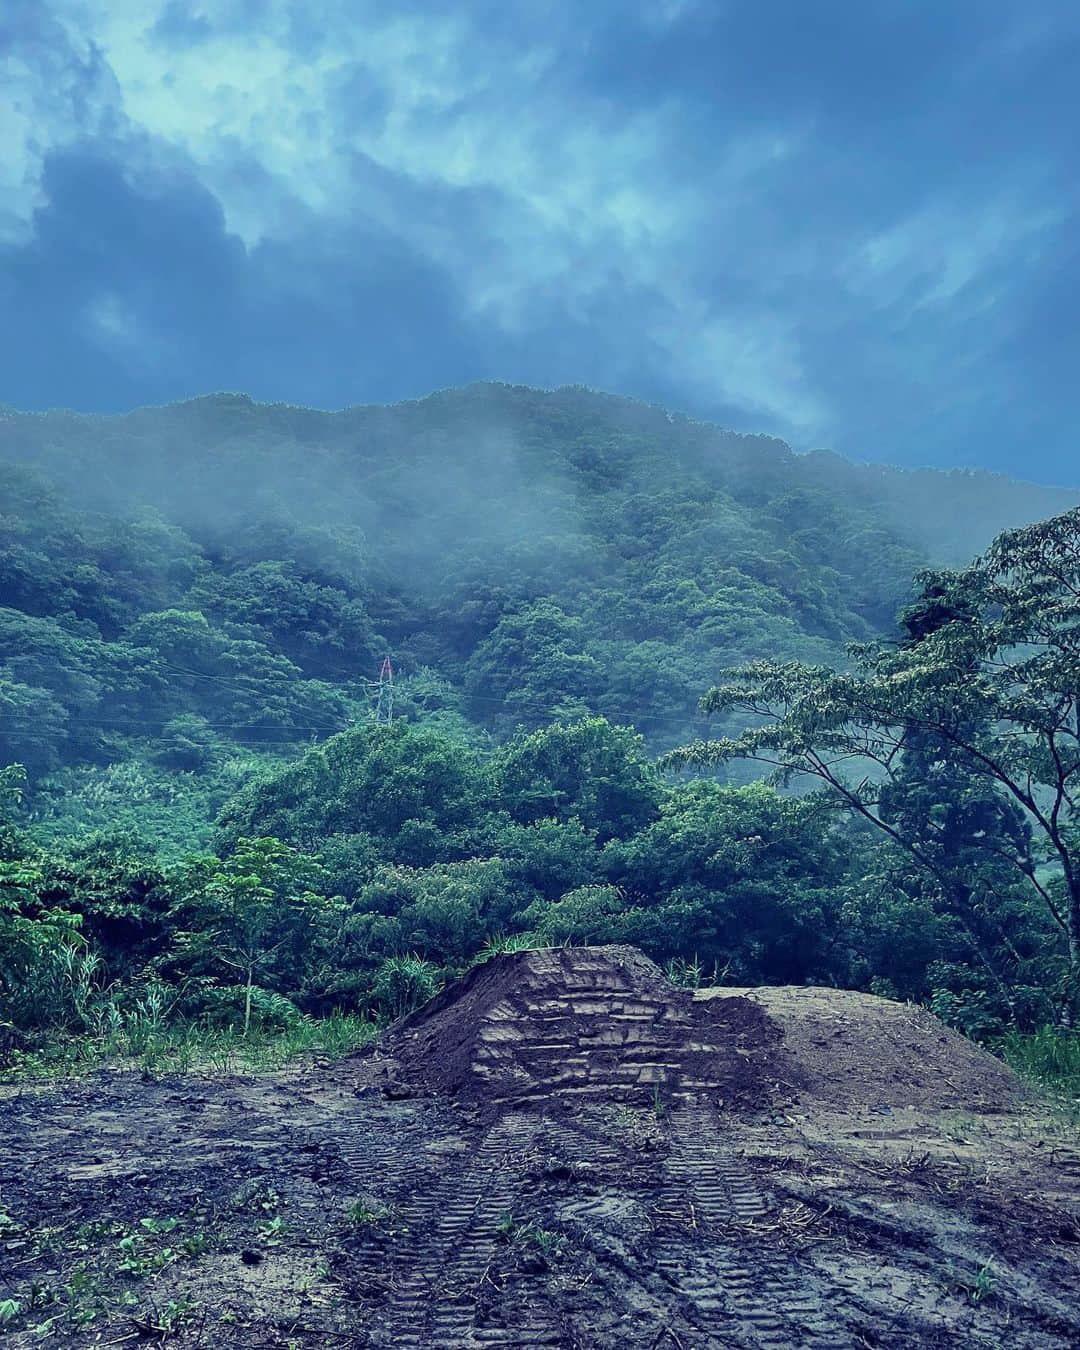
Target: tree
<point>589,771</point>
<point>412,789</point>
<point>443,913</point>
<point>38,940</point>
<point>533,668</point>
<point>985,691</point>
<point>740,877</point>
<point>257,914</point>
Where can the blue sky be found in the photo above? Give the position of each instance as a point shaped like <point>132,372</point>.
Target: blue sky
<point>848,224</point>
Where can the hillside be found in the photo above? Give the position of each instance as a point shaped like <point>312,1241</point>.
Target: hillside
<point>521,556</point>
<point>203,824</point>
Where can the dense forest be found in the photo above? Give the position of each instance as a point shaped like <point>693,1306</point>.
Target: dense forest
<point>216,814</point>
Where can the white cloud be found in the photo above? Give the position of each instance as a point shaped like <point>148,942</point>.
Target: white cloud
<point>948,251</point>
<point>748,361</point>
<point>53,92</point>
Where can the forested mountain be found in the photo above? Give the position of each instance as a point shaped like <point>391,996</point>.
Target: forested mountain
<point>192,597</point>
<point>520,555</point>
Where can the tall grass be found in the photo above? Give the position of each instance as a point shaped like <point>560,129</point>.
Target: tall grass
<point>1050,1057</point>
<point>177,1047</point>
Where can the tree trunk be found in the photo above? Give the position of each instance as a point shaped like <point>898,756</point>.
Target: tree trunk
<point>247,999</point>
<point>1072,918</point>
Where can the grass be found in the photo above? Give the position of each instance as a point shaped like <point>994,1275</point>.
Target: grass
<point>183,1047</point>
<point>549,1243</point>
<point>114,1274</point>
<point>1050,1058</point>
<point>366,1213</point>
<point>1049,1055</point>
<point>981,1286</point>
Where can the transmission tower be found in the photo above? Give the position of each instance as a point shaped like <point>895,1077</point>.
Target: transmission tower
<point>384,703</point>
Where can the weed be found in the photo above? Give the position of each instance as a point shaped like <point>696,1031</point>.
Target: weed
<point>81,1282</point>
<point>138,1261</point>
<point>83,1293</point>
<point>258,1197</point>
<point>1050,1058</point>
<point>658,1106</point>
<point>506,944</point>
<point>364,1213</point>
<point>91,1234</point>
<point>546,1241</point>
<point>196,1245</point>
<point>690,974</point>
<point>981,1286</point>
<point>145,1038</point>
<point>39,1296</point>
<point>10,1308</point>
<point>44,1241</point>
<point>272,1230</point>
<point>686,974</point>
<point>641,1128</point>
<point>166,1321</point>
<point>156,1226</point>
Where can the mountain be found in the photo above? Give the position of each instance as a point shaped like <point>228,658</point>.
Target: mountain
<point>187,584</point>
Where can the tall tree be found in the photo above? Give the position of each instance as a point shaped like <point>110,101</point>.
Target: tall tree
<point>986,690</point>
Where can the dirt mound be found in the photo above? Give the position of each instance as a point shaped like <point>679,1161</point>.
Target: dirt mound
<point>848,1050</point>
<point>586,1022</point>
<point>589,1023</point>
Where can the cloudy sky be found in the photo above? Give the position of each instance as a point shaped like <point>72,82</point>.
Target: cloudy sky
<point>851,223</point>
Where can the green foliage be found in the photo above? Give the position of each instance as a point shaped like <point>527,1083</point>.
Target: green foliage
<point>737,878</point>
<point>402,984</point>
<point>212,850</point>
<point>365,1213</point>
<point>1050,1057</point>
<point>257,913</point>
<point>588,771</point>
<point>960,744</point>
<point>445,911</point>
<point>418,793</point>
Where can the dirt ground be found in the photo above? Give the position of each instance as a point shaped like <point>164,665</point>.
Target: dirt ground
<point>353,1205</point>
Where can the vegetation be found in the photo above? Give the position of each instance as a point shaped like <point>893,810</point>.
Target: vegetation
<point>960,744</point>
<point>211,846</point>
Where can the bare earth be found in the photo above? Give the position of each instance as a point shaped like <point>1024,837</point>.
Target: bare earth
<point>564,1150</point>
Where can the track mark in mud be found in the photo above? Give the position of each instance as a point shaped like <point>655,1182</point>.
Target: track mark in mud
<point>450,1237</point>
<point>707,1193</point>
<point>579,1144</point>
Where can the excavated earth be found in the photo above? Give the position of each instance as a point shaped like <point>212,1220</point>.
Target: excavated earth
<point>562,1149</point>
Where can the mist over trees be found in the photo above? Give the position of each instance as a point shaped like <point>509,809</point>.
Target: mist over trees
<point>195,603</point>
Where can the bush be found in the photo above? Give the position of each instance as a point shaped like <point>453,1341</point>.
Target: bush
<point>404,983</point>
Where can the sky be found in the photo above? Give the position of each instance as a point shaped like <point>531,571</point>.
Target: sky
<point>849,223</point>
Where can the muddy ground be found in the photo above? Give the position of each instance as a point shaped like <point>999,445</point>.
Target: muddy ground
<point>338,1205</point>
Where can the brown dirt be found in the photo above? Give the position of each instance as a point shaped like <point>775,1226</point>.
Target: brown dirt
<point>852,1049</point>
<point>586,1023</point>
<point>322,1208</point>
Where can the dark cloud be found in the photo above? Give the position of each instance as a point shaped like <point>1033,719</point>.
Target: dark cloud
<point>843,223</point>
<point>125,295</point>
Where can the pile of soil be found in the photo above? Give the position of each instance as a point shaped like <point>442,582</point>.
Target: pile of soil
<point>848,1050</point>
<point>581,1023</point>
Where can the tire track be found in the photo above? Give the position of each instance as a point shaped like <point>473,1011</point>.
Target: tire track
<point>707,1192</point>
<point>450,1237</point>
